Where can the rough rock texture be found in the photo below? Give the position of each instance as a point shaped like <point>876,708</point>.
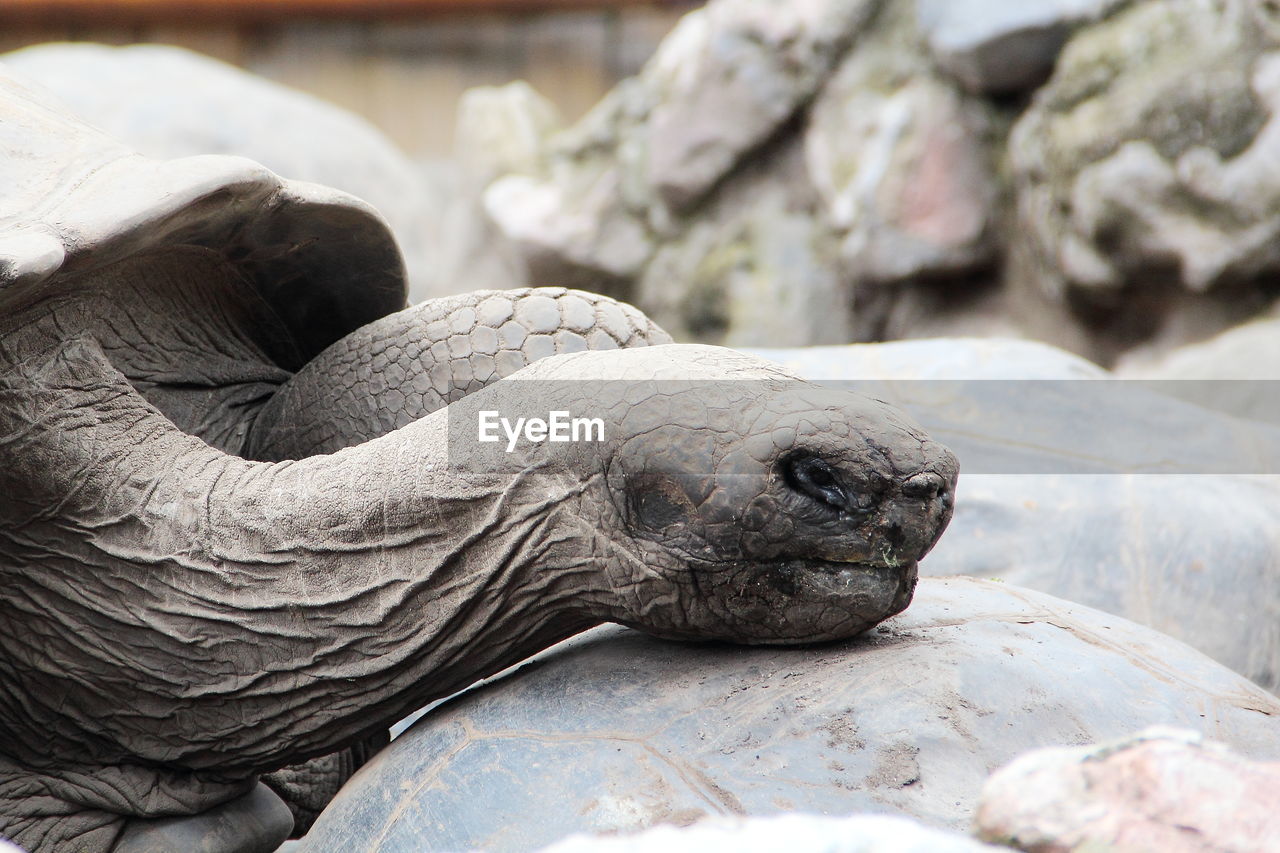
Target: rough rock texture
<point>797,833</point>
<point>1003,46</point>
<point>769,167</point>
<point>1133,201</point>
<point>1162,790</point>
<point>503,129</point>
<point>756,266</point>
<point>720,85</point>
<point>168,102</point>
<point>1143,169</point>
<point>902,162</point>
<point>909,720</point>
<point>729,77</point>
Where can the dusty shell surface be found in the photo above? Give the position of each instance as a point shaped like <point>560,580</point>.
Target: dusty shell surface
<point>797,833</point>
<point>616,731</point>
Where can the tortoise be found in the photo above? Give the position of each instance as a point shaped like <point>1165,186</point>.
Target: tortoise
<point>1191,551</point>
<point>615,731</point>
<point>249,520</point>
<point>169,102</point>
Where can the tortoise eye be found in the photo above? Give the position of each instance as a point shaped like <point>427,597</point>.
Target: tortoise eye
<point>814,478</point>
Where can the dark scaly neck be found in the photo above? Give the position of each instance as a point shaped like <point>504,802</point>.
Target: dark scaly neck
<point>236,615</point>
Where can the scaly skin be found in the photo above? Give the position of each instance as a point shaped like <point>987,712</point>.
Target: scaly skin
<point>194,338</point>
<point>396,370</point>
<point>176,620</point>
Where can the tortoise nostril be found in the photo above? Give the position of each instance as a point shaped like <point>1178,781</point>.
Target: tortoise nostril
<point>927,486</point>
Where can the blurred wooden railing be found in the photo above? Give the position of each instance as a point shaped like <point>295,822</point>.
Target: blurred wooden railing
<point>259,10</point>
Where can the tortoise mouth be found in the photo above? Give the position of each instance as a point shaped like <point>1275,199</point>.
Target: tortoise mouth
<point>808,600</point>
<point>840,578</point>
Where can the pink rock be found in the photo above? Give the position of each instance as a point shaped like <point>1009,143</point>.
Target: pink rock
<point>1163,790</point>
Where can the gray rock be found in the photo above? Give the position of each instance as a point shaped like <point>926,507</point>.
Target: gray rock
<point>569,233</point>
<point>756,267</point>
<point>901,160</point>
<point>1235,371</point>
<point>469,252</point>
<point>1145,161</point>
<point>1163,789</point>
<point>732,74</point>
<point>745,191</point>
<point>1003,46</point>
<point>168,102</point>
<point>798,833</point>
<point>721,84</point>
<point>503,130</point>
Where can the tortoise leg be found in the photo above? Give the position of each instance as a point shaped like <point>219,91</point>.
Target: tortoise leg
<point>406,365</point>
<point>308,787</point>
<point>257,822</point>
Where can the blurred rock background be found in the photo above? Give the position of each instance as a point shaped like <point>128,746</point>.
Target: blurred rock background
<point>1103,175</point>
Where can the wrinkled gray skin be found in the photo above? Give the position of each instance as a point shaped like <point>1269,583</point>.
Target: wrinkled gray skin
<point>177,619</point>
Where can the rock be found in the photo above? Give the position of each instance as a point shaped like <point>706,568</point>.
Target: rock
<point>1163,789</point>
<point>616,731</point>
<point>720,85</point>
<point>503,130</point>
<point>569,235</point>
<point>469,251</point>
<point>1144,164</point>
<point>583,215</point>
<point>780,175</point>
<point>949,306</point>
<point>168,102</point>
<point>902,162</point>
<point>732,74</point>
<point>1232,372</point>
<point>1003,46</point>
<point>797,833</point>
<point>755,267</point>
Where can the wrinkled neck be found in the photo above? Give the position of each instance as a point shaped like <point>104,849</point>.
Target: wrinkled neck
<point>238,615</point>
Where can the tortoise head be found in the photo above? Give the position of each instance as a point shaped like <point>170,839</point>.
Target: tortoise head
<point>748,505</point>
